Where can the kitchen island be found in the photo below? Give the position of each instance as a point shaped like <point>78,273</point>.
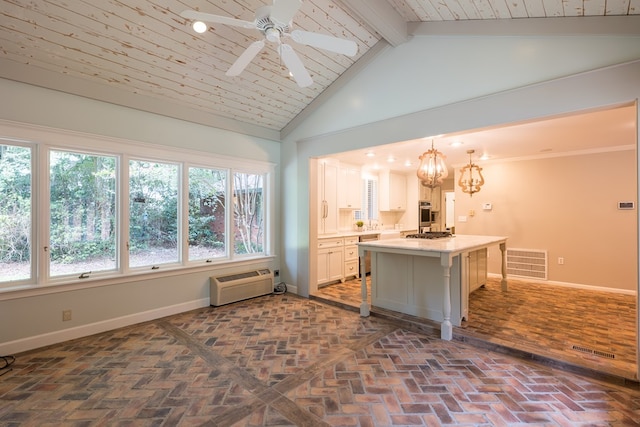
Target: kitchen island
<point>425,277</point>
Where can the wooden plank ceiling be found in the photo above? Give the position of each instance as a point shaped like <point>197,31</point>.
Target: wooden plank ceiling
<point>142,54</point>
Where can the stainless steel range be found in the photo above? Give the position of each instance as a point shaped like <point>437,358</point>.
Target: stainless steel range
<point>430,235</point>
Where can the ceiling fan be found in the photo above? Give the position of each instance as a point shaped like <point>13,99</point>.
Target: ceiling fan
<point>274,22</point>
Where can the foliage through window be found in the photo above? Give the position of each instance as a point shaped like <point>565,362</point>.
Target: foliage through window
<point>207,215</point>
<point>82,211</point>
<point>15,213</point>
<point>108,213</point>
<point>248,213</point>
<point>153,213</point>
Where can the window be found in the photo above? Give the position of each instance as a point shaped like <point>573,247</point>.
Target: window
<point>82,209</point>
<point>369,210</point>
<point>129,208</point>
<point>153,213</point>
<point>207,214</point>
<point>15,213</point>
<point>248,213</point>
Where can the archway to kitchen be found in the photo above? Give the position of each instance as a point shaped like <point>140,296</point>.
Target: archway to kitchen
<point>618,156</point>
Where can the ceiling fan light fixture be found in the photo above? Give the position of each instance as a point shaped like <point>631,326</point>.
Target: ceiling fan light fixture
<point>274,22</point>
<point>432,170</point>
<point>199,27</point>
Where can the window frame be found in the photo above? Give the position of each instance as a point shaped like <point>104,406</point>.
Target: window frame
<point>33,264</point>
<point>41,140</point>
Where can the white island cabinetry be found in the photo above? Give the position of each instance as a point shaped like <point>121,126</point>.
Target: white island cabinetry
<point>477,269</point>
<point>427,278</point>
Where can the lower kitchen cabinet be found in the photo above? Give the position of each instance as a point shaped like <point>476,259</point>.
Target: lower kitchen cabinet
<point>351,257</point>
<point>330,260</point>
<point>477,272</point>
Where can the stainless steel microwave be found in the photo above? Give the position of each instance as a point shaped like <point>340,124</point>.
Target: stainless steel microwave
<point>424,213</point>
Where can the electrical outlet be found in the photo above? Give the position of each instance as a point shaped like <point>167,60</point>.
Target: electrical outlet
<point>66,315</point>
<point>560,261</point>
<point>276,273</point>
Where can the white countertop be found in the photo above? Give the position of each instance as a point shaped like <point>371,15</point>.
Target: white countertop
<point>454,244</point>
<point>365,233</point>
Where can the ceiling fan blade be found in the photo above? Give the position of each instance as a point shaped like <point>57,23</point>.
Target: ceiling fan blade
<point>295,66</point>
<point>334,44</point>
<point>246,57</point>
<point>208,17</point>
<point>282,11</point>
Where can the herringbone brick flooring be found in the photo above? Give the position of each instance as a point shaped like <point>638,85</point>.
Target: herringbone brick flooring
<point>282,360</point>
<point>593,330</point>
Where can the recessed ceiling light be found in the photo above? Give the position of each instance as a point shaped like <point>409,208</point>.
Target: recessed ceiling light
<point>484,157</point>
<point>408,163</point>
<point>456,144</point>
<point>371,154</point>
<point>391,159</point>
<point>199,27</point>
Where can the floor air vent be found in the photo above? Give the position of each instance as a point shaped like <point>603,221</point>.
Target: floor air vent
<point>240,286</point>
<point>531,263</point>
<point>594,352</point>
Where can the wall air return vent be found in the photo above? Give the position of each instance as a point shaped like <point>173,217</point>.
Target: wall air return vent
<point>531,263</point>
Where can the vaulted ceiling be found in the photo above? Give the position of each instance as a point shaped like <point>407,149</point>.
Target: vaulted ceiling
<point>143,54</point>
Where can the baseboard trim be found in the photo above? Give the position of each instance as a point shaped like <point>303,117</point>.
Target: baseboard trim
<point>292,288</point>
<point>568,285</point>
<point>37,341</point>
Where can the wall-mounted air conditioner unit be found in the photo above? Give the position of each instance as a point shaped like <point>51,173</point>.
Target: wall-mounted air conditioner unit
<point>240,286</point>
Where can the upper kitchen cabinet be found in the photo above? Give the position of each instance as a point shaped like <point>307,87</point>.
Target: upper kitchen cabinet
<point>431,195</point>
<point>392,191</point>
<point>350,187</point>
<point>327,197</point>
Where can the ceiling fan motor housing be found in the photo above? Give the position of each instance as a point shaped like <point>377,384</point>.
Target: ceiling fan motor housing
<point>269,28</point>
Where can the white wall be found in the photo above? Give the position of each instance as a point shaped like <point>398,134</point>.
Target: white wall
<point>566,206</point>
<point>34,319</point>
<point>454,95</point>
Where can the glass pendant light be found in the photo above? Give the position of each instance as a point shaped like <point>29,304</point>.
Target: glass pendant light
<point>432,170</point>
<point>471,178</point>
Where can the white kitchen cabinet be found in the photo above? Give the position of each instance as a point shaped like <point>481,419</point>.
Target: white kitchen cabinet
<point>351,257</point>
<point>477,271</point>
<point>392,191</point>
<point>432,195</point>
<point>327,198</point>
<point>330,260</point>
<point>350,187</point>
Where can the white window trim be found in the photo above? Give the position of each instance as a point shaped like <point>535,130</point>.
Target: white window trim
<point>43,138</point>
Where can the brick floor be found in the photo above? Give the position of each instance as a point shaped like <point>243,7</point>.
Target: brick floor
<point>282,360</point>
<point>573,327</point>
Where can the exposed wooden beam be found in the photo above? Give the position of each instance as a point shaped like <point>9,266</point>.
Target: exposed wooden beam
<point>561,26</point>
<point>381,17</point>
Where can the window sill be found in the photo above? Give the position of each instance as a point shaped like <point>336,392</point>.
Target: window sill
<point>31,290</point>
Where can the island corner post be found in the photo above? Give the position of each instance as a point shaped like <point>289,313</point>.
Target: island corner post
<point>447,253</point>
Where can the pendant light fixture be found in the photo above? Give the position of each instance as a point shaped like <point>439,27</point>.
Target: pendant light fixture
<point>471,178</point>
<point>432,170</point>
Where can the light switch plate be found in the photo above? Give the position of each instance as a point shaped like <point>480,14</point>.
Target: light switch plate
<point>462,218</point>
<point>487,206</point>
